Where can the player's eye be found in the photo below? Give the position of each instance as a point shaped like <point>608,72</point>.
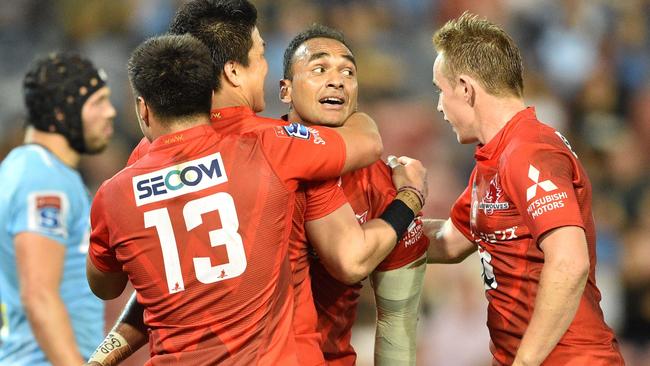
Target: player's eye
<point>318,69</point>
<point>348,72</point>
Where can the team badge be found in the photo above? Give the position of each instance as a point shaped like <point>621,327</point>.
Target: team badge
<point>493,198</point>
<point>297,130</point>
<point>47,212</point>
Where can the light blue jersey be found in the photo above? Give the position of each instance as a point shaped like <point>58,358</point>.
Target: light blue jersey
<point>40,194</point>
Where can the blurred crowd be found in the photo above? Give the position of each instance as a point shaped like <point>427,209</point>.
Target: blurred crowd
<point>587,71</point>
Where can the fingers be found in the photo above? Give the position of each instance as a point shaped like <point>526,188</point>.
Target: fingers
<point>405,160</point>
<point>392,161</point>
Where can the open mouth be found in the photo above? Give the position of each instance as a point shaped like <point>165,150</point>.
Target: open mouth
<point>332,101</point>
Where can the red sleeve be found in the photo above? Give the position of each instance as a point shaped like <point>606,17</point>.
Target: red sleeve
<point>300,153</point>
<point>99,251</point>
<point>540,181</point>
<point>381,193</point>
<point>460,211</point>
<point>139,151</point>
<point>323,198</point>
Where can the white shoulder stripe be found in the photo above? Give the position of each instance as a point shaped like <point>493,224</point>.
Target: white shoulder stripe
<point>44,155</point>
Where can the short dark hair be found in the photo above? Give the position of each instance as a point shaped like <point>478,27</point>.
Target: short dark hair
<point>314,31</point>
<point>224,26</point>
<point>174,75</point>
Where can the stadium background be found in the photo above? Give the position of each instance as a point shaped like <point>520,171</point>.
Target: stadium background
<point>586,71</point>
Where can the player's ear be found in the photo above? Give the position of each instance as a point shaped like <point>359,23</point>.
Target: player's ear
<point>232,73</point>
<point>142,110</point>
<point>468,88</point>
<point>285,91</point>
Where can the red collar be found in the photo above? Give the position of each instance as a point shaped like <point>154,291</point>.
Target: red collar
<point>230,112</point>
<point>496,144</point>
<point>173,139</point>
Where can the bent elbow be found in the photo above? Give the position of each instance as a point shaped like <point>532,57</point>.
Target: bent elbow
<point>350,273</point>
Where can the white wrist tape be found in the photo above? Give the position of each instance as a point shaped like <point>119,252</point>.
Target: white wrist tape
<point>113,343</point>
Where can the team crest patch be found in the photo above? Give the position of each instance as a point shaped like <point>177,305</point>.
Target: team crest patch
<point>47,212</point>
<point>493,198</point>
<point>297,130</point>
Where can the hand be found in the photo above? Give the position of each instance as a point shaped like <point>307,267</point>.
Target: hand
<point>92,363</point>
<point>409,172</point>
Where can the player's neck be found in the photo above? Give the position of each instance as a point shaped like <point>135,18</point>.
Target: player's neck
<point>178,124</point>
<point>56,143</point>
<point>494,113</point>
<point>229,96</point>
<point>293,116</point>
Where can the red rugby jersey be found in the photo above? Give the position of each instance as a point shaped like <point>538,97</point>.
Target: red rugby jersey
<point>369,190</point>
<point>526,182</point>
<point>230,302</point>
<point>325,197</point>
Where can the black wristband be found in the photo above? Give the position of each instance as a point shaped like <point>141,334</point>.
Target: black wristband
<point>399,216</point>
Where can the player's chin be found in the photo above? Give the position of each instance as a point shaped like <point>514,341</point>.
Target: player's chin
<point>96,146</point>
<point>332,118</point>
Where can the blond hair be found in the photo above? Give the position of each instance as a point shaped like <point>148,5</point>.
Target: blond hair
<point>483,50</point>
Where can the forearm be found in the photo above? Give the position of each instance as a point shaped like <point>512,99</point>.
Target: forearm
<point>363,142</point>
<point>52,328</point>
<point>397,295</point>
<point>560,290</point>
<point>381,235</point>
<point>443,248</point>
<point>126,337</point>
<point>378,240</point>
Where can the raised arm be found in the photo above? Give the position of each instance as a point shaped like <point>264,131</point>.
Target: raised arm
<point>363,143</point>
<point>350,252</point>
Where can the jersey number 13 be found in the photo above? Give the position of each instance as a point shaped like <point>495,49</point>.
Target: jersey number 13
<point>228,235</point>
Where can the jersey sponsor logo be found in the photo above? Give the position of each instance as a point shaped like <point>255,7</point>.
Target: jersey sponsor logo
<point>297,130</point>
<point>317,139</point>
<point>489,280</point>
<point>177,180</point>
<point>48,212</point>
<point>547,203</point>
<point>547,185</point>
<point>498,235</point>
<point>414,233</point>
<point>300,131</point>
<point>362,217</point>
<point>490,202</point>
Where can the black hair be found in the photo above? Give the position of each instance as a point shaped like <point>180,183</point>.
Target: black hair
<point>224,26</point>
<point>314,31</point>
<point>174,75</point>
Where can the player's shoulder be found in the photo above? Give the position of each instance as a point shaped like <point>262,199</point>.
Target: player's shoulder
<point>34,167</point>
<point>531,136</point>
<point>269,122</point>
<point>34,157</point>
